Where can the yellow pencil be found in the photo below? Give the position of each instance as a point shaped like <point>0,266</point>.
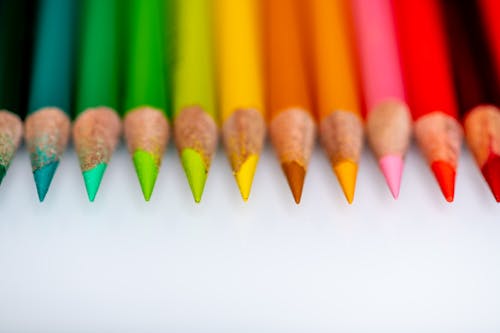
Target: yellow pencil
<point>240,79</point>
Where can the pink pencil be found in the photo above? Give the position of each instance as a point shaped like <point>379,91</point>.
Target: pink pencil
<point>388,120</point>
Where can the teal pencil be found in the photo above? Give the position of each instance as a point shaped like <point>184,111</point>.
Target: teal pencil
<point>47,125</point>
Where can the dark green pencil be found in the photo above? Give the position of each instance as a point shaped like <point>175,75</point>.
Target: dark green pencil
<point>16,17</point>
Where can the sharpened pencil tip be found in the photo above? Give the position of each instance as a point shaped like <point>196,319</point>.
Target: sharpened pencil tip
<point>445,174</point>
<point>346,172</point>
<point>196,172</point>
<point>295,174</point>
<point>43,177</point>
<point>92,179</point>
<point>147,171</point>
<point>392,168</point>
<point>3,171</point>
<point>491,173</point>
<point>244,176</point>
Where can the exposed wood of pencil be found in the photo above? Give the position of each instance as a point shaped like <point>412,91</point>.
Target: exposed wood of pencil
<point>482,131</point>
<point>195,130</point>
<point>388,127</point>
<point>292,133</point>
<point>291,127</point>
<point>46,132</point>
<point>342,137</point>
<point>440,138</point>
<point>96,132</point>
<point>146,130</point>
<point>336,88</point>
<point>11,129</point>
<point>243,134</point>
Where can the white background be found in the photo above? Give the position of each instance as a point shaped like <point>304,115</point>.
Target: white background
<point>122,265</point>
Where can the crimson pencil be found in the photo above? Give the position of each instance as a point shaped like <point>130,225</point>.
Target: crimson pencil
<point>477,85</point>
<point>430,89</point>
<point>490,10</point>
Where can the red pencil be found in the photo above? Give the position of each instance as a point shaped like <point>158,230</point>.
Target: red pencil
<point>490,10</point>
<point>477,84</point>
<point>429,85</point>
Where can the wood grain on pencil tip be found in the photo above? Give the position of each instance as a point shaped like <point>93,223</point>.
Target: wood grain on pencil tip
<point>147,131</point>
<point>96,133</point>
<point>482,128</point>
<point>389,129</point>
<point>11,130</point>
<point>243,134</point>
<point>292,133</point>
<point>196,140</point>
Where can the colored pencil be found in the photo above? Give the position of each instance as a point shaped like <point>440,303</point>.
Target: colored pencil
<point>429,84</point>
<point>477,85</point>
<point>336,89</point>
<point>47,125</point>
<point>145,121</point>
<point>16,17</point>
<point>195,117</point>
<point>388,120</point>
<point>292,127</point>
<point>240,80</point>
<point>489,11</point>
<point>97,125</point>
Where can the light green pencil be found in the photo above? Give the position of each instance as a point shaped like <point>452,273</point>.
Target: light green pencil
<point>194,111</point>
<point>145,120</point>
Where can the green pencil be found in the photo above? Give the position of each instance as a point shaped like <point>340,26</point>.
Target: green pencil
<point>47,125</point>
<point>194,115</point>
<point>97,126</point>
<point>16,17</point>
<point>145,119</point>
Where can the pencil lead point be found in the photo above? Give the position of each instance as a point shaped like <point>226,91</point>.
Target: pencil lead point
<point>92,179</point>
<point>491,173</point>
<point>445,174</point>
<point>244,176</point>
<point>43,177</point>
<point>196,172</point>
<point>3,171</point>
<point>392,168</point>
<point>295,174</point>
<point>346,172</point>
<point>147,171</point>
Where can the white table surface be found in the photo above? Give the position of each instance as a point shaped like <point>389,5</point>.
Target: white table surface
<point>417,264</point>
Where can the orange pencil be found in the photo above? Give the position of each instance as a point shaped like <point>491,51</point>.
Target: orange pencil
<point>336,89</point>
<point>291,125</point>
